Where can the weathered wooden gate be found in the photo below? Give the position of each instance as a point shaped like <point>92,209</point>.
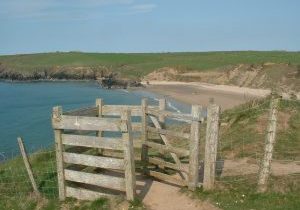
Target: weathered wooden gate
<point>73,133</point>
<point>189,171</point>
<point>86,156</point>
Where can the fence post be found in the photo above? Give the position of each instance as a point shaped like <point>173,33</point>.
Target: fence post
<point>128,155</point>
<point>28,166</point>
<point>270,141</point>
<point>99,105</point>
<point>56,116</point>
<point>162,107</point>
<point>211,146</point>
<point>144,153</point>
<point>194,148</point>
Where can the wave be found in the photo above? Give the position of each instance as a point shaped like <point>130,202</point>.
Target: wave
<point>169,105</point>
<point>173,107</point>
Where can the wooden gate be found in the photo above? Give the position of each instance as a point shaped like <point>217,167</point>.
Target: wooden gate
<point>77,140</point>
<point>189,171</point>
<point>84,154</point>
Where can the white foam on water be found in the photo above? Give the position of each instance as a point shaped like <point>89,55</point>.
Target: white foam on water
<point>173,107</point>
<point>155,99</point>
<point>126,91</point>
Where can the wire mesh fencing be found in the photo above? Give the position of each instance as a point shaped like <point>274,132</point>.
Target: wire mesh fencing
<point>241,148</point>
<point>14,180</point>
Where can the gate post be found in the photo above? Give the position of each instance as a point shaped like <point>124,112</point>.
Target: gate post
<point>56,116</point>
<point>194,148</point>
<point>99,105</point>
<point>162,107</point>
<point>144,152</point>
<point>130,184</point>
<point>211,144</point>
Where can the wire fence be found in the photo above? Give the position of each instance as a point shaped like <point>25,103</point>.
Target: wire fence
<point>14,180</point>
<point>242,143</point>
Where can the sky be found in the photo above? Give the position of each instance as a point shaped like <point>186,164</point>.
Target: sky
<point>32,26</point>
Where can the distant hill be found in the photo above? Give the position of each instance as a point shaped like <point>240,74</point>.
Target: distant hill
<point>246,68</point>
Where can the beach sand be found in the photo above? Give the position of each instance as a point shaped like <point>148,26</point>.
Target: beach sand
<point>200,93</point>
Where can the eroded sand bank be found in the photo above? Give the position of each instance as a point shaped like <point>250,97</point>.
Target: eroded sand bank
<point>200,93</point>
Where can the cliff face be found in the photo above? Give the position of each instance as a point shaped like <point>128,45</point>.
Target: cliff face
<point>74,73</point>
<point>106,78</point>
<point>268,75</point>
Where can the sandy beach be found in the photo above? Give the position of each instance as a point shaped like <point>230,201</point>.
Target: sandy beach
<point>200,93</point>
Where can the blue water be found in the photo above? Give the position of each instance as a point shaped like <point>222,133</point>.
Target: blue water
<point>25,108</point>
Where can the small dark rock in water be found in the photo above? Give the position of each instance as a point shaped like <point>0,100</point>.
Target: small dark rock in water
<point>111,82</point>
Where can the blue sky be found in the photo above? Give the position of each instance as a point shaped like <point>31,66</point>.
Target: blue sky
<point>28,26</point>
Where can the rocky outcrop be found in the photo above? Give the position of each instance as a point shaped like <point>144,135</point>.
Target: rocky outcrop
<point>112,82</point>
<point>105,77</point>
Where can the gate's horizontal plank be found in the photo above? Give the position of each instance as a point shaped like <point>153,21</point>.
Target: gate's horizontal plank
<point>136,126</point>
<point>168,132</point>
<point>93,161</point>
<point>100,180</point>
<point>116,154</point>
<point>116,110</point>
<point>167,178</point>
<point>167,149</point>
<point>160,162</point>
<point>84,194</point>
<point>173,115</point>
<point>86,123</point>
<point>93,142</point>
<point>89,111</point>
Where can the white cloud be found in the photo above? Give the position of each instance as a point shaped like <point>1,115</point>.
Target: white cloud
<point>54,9</point>
<point>142,8</point>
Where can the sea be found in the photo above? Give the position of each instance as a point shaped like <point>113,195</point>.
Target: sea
<point>25,109</point>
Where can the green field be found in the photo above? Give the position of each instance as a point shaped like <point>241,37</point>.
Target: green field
<point>140,64</point>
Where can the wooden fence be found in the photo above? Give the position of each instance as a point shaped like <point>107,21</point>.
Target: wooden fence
<point>76,131</point>
<point>81,141</point>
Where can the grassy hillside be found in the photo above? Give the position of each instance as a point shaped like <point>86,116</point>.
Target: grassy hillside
<point>244,128</point>
<point>144,63</point>
<point>243,132</point>
<point>274,69</point>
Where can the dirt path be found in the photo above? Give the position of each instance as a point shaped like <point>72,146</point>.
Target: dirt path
<point>158,195</point>
<point>162,196</point>
<point>244,166</point>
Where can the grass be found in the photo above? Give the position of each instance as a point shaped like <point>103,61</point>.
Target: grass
<point>243,134</point>
<point>241,195</point>
<point>136,65</point>
<point>16,191</point>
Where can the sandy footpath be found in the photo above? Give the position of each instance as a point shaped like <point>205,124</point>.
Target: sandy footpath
<point>200,93</point>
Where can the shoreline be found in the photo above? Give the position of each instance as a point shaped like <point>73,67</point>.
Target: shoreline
<point>46,80</point>
<point>200,93</point>
<point>186,92</point>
